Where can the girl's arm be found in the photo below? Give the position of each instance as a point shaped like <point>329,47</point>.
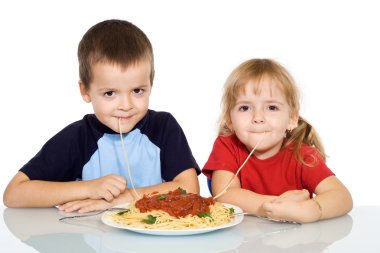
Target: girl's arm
<point>332,199</point>
<point>249,201</point>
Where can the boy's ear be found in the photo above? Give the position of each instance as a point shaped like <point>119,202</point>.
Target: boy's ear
<point>84,92</point>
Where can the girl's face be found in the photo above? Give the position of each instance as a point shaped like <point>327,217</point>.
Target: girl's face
<point>117,93</point>
<point>265,115</point>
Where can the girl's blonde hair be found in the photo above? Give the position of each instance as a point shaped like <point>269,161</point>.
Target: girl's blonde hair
<point>256,70</point>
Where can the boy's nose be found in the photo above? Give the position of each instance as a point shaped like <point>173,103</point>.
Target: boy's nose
<point>125,103</point>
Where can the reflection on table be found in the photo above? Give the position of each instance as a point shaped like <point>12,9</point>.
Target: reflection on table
<point>41,229</point>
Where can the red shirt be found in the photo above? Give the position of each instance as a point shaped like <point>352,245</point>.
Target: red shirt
<point>271,176</point>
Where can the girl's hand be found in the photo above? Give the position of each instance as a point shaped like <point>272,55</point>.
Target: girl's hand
<point>107,187</point>
<point>301,211</point>
<point>296,195</point>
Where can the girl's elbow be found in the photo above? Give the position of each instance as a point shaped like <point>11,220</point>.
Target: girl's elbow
<point>350,202</point>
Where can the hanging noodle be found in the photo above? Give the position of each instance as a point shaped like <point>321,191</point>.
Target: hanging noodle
<point>126,160</point>
<point>237,172</point>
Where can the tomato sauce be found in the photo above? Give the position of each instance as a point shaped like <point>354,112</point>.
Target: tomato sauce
<point>177,203</point>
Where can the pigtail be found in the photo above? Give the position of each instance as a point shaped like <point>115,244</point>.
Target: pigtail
<point>304,133</point>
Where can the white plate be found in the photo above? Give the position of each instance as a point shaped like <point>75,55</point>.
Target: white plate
<point>236,220</point>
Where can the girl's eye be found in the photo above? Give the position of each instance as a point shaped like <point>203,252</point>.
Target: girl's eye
<point>243,108</point>
<point>273,108</point>
<point>138,91</point>
<point>109,93</point>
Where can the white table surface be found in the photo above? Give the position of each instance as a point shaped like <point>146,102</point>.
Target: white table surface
<point>39,230</point>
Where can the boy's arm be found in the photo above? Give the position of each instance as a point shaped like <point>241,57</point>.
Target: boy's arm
<point>249,201</point>
<point>187,180</point>
<point>23,192</point>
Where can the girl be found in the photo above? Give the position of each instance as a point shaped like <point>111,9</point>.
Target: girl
<point>286,178</point>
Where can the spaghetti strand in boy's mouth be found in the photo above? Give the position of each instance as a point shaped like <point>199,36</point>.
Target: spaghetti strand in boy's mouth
<point>126,158</point>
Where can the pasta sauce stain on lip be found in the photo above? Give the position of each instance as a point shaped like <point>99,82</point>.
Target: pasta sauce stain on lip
<point>176,203</point>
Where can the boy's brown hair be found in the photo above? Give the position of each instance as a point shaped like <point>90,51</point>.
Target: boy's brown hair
<point>113,41</point>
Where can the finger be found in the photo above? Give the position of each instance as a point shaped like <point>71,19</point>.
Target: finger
<point>115,191</point>
<point>121,186</point>
<point>268,206</point>
<point>88,208</point>
<point>117,181</point>
<point>72,207</point>
<point>118,178</point>
<point>122,180</point>
<point>66,206</point>
<point>306,194</point>
<point>107,195</point>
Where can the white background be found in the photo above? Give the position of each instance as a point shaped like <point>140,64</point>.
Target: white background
<point>330,47</point>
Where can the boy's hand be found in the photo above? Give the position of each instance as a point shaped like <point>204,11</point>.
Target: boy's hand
<point>90,205</point>
<point>86,205</point>
<point>107,187</point>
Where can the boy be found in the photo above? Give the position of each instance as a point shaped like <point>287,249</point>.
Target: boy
<point>84,167</point>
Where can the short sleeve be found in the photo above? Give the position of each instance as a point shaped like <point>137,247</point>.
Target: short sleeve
<point>57,160</point>
<point>316,172</point>
<point>224,156</point>
<point>176,155</point>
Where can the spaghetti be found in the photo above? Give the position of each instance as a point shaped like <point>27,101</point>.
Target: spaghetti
<point>237,172</point>
<point>174,210</point>
<point>126,159</point>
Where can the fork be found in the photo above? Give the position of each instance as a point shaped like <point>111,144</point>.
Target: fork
<point>96,213</point>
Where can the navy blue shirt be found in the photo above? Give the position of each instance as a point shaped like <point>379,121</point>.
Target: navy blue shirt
<point>156,148</point>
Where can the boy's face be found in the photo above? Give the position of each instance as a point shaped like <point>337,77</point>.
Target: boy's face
<point>117,93</point>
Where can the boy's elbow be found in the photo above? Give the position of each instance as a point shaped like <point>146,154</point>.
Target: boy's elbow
<point>15,194</point>
<point>13,197</point>
<point>188,180</point>
<point>8,200</point>
<point>192,186</point>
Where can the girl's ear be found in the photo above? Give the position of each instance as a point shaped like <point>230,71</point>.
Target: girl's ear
<point>84,92</point>
<point>293,123</point>
<point>229,125</point>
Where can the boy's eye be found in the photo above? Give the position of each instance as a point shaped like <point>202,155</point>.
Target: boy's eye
<point>243,108</point>
<point>138,91</point>
<point>273,108</point>
<point>109,93</point>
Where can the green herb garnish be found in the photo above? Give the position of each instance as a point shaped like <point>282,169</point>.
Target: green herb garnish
<point>151,219</point>
<point>123,212</point>
<point>205,215</point>
<point>161,197</point>
<point>232,210</point>
<point>181,190</point>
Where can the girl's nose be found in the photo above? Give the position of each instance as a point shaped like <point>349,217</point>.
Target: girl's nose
<point>258,117</point>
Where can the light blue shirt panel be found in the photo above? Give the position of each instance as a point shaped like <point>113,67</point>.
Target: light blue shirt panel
<point>142,154</point>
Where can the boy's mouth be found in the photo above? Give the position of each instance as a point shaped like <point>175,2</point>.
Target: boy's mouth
<point>124,118</point>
